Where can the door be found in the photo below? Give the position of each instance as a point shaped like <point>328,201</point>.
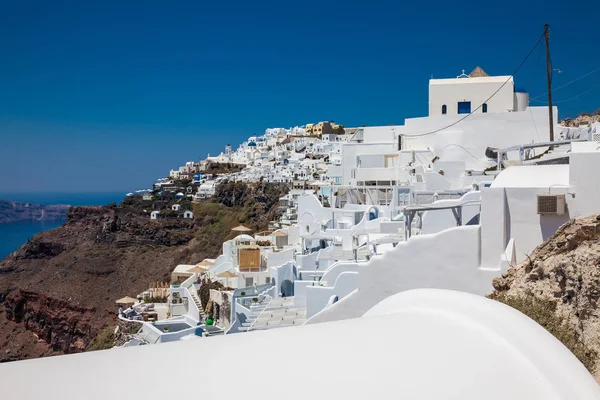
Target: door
<point>287,288</point>
<point>464,107</point>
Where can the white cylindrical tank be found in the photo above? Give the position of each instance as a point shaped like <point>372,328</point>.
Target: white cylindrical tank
<point>521,101</point>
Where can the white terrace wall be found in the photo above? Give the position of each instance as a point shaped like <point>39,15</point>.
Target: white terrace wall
<point>446,260</point>
<point>318,297</point>
<point>309,211</point>
<point>434,221</point>
<point>468,140</point>
<point>275,259</point>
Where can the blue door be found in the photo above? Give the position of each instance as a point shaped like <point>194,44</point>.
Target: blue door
<point>464,107</point>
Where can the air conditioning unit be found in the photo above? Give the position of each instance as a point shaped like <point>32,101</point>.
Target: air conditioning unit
<point>551,204</point>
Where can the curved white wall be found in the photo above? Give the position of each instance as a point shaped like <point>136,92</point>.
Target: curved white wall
<point>430,345</point>
<point>446,260</point>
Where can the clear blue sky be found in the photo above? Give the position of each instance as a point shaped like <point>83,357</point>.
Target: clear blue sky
<point>103,96</point>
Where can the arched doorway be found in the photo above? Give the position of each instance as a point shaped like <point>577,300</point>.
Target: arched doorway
<point>373,213</point>
<point>287,288</point>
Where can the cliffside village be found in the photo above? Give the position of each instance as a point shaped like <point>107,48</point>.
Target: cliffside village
<point>365,204</point>
<point>447,202</point>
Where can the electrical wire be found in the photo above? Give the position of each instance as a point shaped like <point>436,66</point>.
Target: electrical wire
<point>488,99</point>
<point>469,153</point>
<point>579,95</point>
<point>566,84</point>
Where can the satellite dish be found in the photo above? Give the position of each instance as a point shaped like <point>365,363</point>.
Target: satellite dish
<point>189,189</point>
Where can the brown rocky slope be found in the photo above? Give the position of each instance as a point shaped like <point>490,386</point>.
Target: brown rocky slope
<point>559,286</point>
<point>57,292</point>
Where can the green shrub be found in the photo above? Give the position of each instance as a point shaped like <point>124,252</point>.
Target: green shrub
<point>105,339</point>
<point>544,313</point>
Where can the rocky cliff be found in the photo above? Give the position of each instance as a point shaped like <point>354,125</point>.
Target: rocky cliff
<point>57,292</point>
<point>559,286</point>
<point>60,287</point>
<point>11,211</point>
<point>583,119</point>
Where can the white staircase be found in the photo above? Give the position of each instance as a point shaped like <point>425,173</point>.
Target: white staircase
<point>198,303</point>
<point>277,313</point>
<point>256,312</point>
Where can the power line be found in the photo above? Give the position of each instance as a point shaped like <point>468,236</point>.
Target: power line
<point>469,153</point>
<point>488,99</point>
<point>567,84</point>
<point>574,97</point>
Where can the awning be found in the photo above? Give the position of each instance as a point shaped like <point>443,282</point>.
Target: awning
<point>126,300</point>
<point>226,274</point>
<point>205,263</point>
<point>197,270</point>
<point>241,228</point>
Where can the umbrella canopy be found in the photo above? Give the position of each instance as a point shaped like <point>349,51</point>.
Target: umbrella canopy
<point>241,228</point>
<point>197,270</point>
<point>279,233</point>
<point>244,238</point>
<point>227,274</point>
<point>126,300</point>
<point>205,263</point>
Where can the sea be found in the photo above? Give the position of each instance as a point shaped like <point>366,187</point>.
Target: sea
<point>14,235</point>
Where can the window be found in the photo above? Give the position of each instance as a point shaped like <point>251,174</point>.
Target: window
<point>444,109</point>
<point>484,108</point>
<point>464,107</point>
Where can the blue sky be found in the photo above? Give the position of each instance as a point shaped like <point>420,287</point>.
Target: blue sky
<point>110,96</point>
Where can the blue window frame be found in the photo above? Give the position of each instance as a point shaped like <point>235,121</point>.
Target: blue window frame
<point>444,109</point>
<point>484,108</point>
<point>464,107</point>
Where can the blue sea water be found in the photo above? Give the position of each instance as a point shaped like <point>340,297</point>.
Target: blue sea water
<point>13,235</point>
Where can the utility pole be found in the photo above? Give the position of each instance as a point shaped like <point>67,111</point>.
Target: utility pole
<point>549,72</point>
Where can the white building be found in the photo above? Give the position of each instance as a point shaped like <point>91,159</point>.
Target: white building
<point>461,252</point>
<point>205,190</point>
<point>461,95</point>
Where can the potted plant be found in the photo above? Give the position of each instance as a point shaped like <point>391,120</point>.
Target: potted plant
<point>255,299</point>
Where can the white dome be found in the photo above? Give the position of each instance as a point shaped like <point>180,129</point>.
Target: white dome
<point>421,344</point>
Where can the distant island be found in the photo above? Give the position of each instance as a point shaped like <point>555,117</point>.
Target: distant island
<point>13,211</point>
